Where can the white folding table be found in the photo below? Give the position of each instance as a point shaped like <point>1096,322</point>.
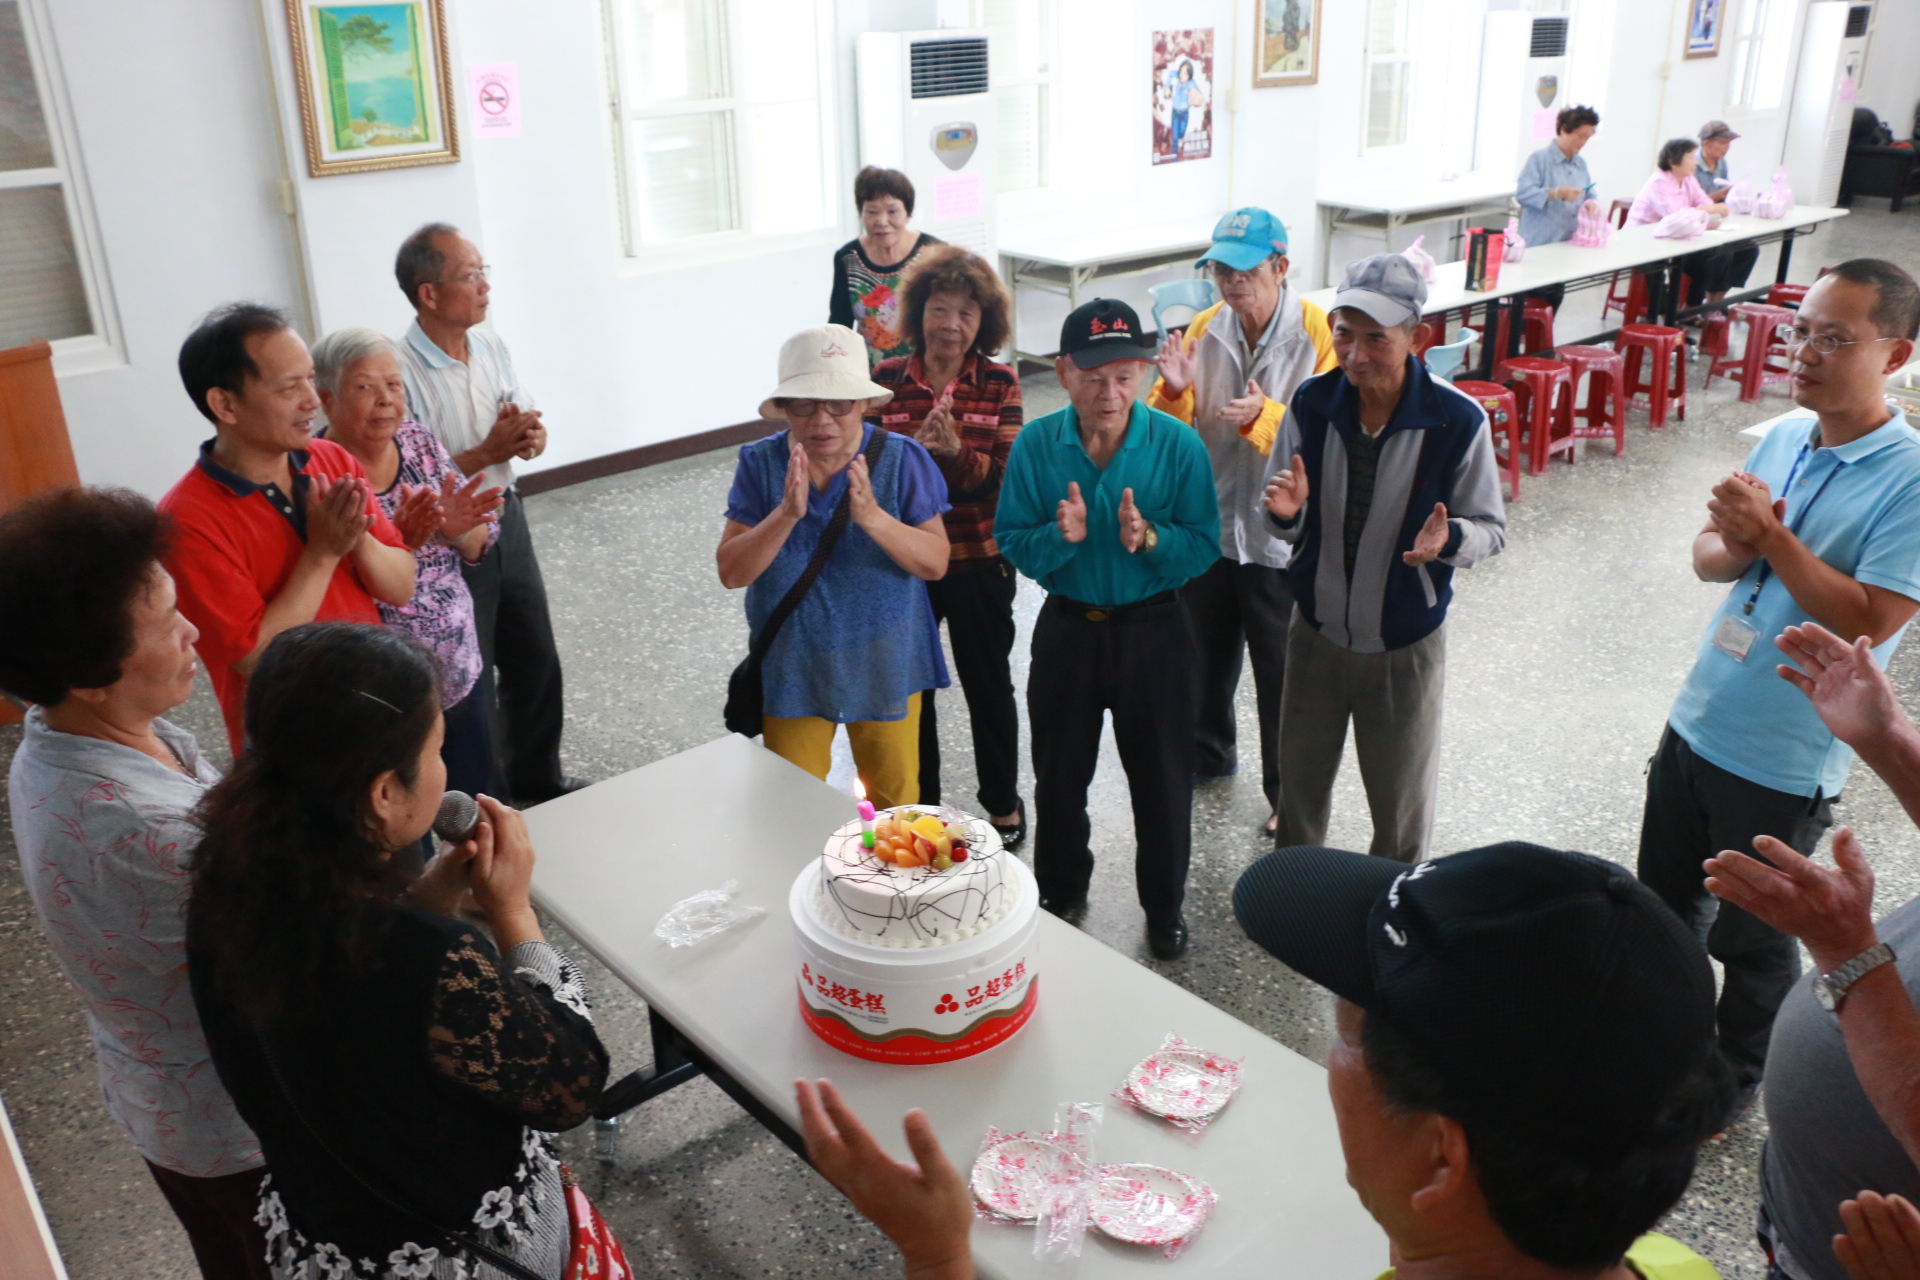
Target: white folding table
<point>1387,204</point>
<point>1063,261</point>
<point>1629,248</point>
<point>614,857</point>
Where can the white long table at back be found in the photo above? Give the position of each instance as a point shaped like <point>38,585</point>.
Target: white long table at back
<point>1551,264</point>
<point>614,857</point>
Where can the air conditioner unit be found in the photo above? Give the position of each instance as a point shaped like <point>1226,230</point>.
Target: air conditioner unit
<point>926,110</point>
<point>1523,84</point>
<point>1832,44</point>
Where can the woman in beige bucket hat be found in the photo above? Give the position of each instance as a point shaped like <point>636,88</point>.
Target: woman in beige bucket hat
<point>863,642</point>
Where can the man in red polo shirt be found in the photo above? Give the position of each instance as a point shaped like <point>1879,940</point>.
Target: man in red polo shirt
<point>273,527</point>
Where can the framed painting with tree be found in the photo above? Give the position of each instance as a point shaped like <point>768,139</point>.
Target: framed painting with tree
<point>1286,43</point>
<point>375,91</point>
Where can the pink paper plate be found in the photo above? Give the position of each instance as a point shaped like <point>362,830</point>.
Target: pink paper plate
<point>1145,1204</point>
<point>1015,1175</point>
<point>1182,1084</point>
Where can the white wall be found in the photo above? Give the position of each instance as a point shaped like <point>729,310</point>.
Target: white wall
<point>1891,82</point>
<point>184,177</point>
<point>619,356</point>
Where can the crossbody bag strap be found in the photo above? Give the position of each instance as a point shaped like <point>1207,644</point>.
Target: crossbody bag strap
<point>830,538</point>
<point>441,1235</point>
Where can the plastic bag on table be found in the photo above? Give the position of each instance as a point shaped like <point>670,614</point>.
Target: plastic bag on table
<point>706,913</point>
<point>1062,1226</point>
<point>1181,1083</point>
<point>1740,196</point>
<point>1145,1204</point>
<point>1420,258</point>
<point>1594,229</point>
<point>1681,224</point>
<point>1516,247</point>
<point>1777,200</point>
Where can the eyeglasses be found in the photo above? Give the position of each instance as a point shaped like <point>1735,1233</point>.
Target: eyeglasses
<point>1228,275</point>
<point>1824,343</point>
<point>472,277</point>
<point>807,408</point>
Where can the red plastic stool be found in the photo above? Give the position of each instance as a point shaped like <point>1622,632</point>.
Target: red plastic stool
<point>1605,413</point>
<point>1714,328</point>
<point>1503,419</point>
<point>1754,366</point>
<point>1666,384</point>
<point>1632,305</point>
<point>1437,323</point>
<point>1787,295</point>
<point>1538,334</point>
<point>1543,389</point>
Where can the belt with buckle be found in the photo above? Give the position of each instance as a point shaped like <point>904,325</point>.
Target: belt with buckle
<point>1151,607</point>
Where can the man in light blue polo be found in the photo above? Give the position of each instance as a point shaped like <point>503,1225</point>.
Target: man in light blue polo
<point>1744,754</point>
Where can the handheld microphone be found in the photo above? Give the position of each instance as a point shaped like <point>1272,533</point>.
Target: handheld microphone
<point>458,818</point>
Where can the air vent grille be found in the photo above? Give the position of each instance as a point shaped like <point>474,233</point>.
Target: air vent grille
<point>1549,38</point>
<point>1857,19</point>
<point>946,68</point>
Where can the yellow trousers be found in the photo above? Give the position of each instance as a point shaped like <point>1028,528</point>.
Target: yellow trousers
<point>887,752</point>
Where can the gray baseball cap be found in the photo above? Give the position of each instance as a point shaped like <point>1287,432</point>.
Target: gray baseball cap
<point>1386,286</point>
<point>1715,130</point>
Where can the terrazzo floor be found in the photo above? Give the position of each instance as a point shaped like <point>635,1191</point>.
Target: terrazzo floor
<point>1565,654</point>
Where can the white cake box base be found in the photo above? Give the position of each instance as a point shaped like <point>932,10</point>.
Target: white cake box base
<point>919,1004</point>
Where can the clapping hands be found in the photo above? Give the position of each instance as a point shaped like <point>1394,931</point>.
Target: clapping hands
<point>1176,363</point>
<point>464,507</point>
<point>1071,514</point>
<point>1287,492</point>
<point>938,434</point>
<point>1432,538</point>
<point>1241,412</point>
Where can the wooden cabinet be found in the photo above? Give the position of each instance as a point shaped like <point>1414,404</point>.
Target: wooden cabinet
<point>35,452</point>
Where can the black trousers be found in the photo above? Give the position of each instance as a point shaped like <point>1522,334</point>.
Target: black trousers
<point>1234,609</point>
<point>218,1216</point>
<point>1139,666</point>
<point>467,749</point>
<point>1695,809</point>
<point>1718,270</point>
<point>977,606</point>
<point>517,651</point>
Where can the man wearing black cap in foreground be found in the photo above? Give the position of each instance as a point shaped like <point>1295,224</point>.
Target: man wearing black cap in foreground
<point>1523,1073</point>
<point>1110,506</point>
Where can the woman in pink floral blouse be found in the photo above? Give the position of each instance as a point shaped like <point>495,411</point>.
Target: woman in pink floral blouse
<point>102,789</point>
<point>1673,187</point>
<point>358,374</point>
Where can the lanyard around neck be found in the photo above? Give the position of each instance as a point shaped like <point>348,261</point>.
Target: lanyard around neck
<point>1766,567</point>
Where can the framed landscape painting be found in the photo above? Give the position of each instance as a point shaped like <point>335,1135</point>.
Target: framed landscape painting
<point>375,92</point>
<point>1286,43</point>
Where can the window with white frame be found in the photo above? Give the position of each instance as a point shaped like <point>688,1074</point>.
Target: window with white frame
<point>1389,73</point>
<point>1020,44</point>
<point>723,128</point>
<point>1761,48</point>
<point>43,289</point>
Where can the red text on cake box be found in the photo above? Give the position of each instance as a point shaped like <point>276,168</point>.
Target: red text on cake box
<point>916,1020</point>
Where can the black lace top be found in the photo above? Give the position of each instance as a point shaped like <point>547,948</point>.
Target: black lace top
<point>423,1072</point>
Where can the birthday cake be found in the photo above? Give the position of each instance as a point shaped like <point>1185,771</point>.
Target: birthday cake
<point>916,930</point>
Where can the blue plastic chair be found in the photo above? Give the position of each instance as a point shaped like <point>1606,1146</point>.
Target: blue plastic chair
<point>1177,302</point>
<point>1444,362</point>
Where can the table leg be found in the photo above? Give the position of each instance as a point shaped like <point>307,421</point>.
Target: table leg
<point>1786,255</point>
<point>1326,245</point>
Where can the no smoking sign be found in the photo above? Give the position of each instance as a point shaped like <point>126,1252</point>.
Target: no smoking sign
<point>495,99</point>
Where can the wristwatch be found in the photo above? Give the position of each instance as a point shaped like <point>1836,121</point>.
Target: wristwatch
<point>1150,539</point>
<point>1830,989</point>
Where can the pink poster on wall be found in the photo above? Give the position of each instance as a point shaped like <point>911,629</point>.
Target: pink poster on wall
<point>495,104</point>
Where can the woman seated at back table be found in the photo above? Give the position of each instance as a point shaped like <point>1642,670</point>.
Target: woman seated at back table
<point>358,374</point>
<point>862,643</point>
<point>953,398</point>
<point>1672,188</point>
<point>400,1067</point>
<point>102,793</point>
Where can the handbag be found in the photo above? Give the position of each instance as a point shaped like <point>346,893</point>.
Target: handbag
<point>591,1253</point>
<point>745,712</point>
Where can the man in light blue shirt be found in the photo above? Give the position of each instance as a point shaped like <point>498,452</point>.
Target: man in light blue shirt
<point>1554,181</point>
<point>1744,755</point>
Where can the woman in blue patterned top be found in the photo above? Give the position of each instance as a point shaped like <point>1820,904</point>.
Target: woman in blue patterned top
<point>446,518</point>
<point>863,642</point>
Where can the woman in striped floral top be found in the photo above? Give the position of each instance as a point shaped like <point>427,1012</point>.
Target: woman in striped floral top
<point>964,407</point>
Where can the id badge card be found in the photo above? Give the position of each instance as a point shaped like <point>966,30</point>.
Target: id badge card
<point>1734,637</point>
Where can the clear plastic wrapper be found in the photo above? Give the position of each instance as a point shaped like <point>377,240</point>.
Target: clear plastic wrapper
<point>698,918</point>
<point>1045,1178</point>
<point>1182,1083</point>
<point>1147,1205</point>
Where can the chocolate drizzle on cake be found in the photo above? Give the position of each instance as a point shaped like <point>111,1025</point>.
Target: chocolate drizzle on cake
<point>885,905</point>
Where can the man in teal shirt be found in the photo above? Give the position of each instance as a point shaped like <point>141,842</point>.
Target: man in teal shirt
<point>1110,506</point>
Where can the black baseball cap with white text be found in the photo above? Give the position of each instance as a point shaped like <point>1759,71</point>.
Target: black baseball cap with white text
<point>1102,331</point>
<point>1542,983</point>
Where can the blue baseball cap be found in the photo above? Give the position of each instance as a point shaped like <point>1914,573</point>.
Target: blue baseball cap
<point>1246,238</point>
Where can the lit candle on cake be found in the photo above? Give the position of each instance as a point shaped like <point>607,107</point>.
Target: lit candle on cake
<point>866,813</point>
